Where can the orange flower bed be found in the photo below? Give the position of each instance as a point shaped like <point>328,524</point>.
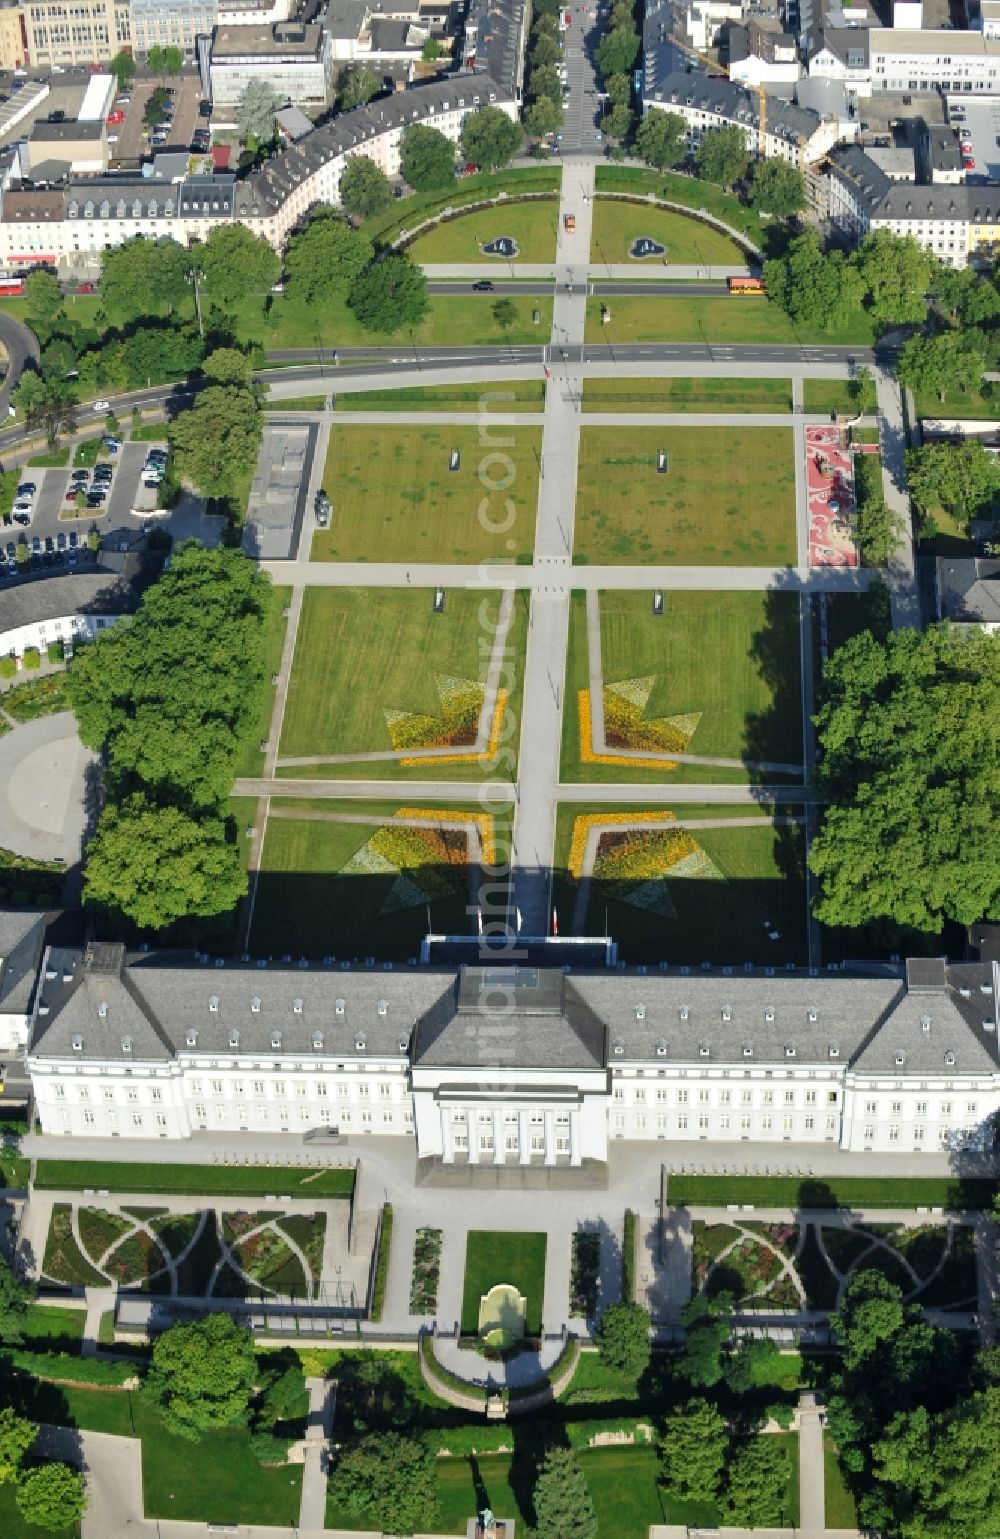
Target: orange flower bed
<point>483,821</point>
<point>588,820</point>
<point>587,754</point>
<point>488,753</point>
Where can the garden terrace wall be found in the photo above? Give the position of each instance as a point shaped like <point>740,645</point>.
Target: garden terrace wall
<point>448,1386</point>
<point>457,211</point>
<point>556,1380</point>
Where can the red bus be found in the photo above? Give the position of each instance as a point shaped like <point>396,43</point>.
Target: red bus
<point>11,286</point>
<point>746,286</point>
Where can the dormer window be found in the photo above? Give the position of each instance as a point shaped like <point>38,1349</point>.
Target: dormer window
<point>360,1043</point>
<point>812,1014</point>
<point>684,1012</point>
<point>255,1005</point>
<point>925,1023</point>
<point>789,1050</point>
<point>661,1047</point>
<point>126,1044</point>
<point>191,1039</point>
<point>748,1049</point>
<point>102,1009</point>
<point>640,1012</point>
<point>899,1057</point>
<point>619,1046</point>
<point>317,1041</point>
<point>339,1007</point>
<point>296,1007</point>
<point>704,1050</point>
<point>213,1004</point>
<point>276,1039</point>
<point>78,1043</point>
<point>769,1013</point>
<point>383,1007</point>
<point>949,1059</point>
<point>727,1014</point>
<point>234,1039</point>
<point>833,1051</point>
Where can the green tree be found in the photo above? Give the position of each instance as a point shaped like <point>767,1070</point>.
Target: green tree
<point>706,1335</point>
<point>201,1375</point>
<point>877,526</point>
<point>617,52</point>
<point>960,477</point>
<point>778,188</point>
<point>619,90</point>
<point>543,117</point>
<point>490,138</point>
<point>563,1505</point>
<point>46,403</point>
<point>52,1496</point>
<point>757,1484</point>
<point>965,295</point>
<point>617,123</point>
<point>258,103</point>
<point>44,302</point>
<point>812,287</point>
<point>123,68</point>
<point>173,59</point>
<point>357,87</point>
<point>17,1438</point>
<point>750,1364</point>
<point>216,441</point>
<point>156,60</point>
<point>950,360</point>
<point>623,1339</point>
<point>504,312</point>
<point>364,187</point>
<point>326,258</point>
<point>940,1470</point>
<point>897,273</point>
<point>155,110</point>
<point>661,139</point>
<point>906,780</point>
<point>427,158</point>
<point>544,51</point>
<point>432,50</point>
<point>228,366</point>
<point>722,155</point>
<point>388,1480</point>
<point>144,277</point>
<point>390,295</point>
<point>285,1398</point>
<point>544,82</point>
<point>693,1450</point>
<point>15,1296</point>
<point>235,264</point>
<point>158,864</point>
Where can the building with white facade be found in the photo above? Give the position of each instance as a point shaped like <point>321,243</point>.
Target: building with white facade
<point>518,1066</point>
<point>959,224</point>
<point>793,133</point>
<point>22,935</point>
<point>945,60</point>
<point>293,57</point>
<point>842,54</point>
<point>763,55</point>
<point>68,606</point>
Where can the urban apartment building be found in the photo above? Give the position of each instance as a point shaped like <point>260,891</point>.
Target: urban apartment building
<point>795,134</point>
<point>66,32</point>
<point>960,224</point>
<point>522,1066</point>
<point>295,58</point>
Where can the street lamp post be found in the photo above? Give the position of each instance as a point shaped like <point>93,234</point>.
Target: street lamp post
<point>193,276</point>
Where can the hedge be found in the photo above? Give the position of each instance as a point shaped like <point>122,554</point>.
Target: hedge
<point>382,1264</point>
<point>628,1258</point>
<point>63,1366</point>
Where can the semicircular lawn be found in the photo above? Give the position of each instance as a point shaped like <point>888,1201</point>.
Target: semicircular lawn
<point>532,225</point>
<point>689,241</point>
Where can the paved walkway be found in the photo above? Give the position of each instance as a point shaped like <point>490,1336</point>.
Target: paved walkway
<point>319,1430</point>
<point>812,1475</point>
<point>499,792</point>
<point>499,269</point>
<point>902,568</point>
<point>47,786</point>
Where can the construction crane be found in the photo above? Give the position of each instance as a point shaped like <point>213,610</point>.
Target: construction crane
<point>721,69</point>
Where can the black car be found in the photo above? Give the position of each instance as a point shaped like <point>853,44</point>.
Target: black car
<point>11,549</point>
<point>204,109</point>
<point>60,541</point>
<point>50,543</point>
<point>73,539</point>
<point>27,489</point>
<point>484,286</point>
<point>22,518</point>
<point>103,473</point>
<point>80,475</point>
<point>36,544</point>
<point>95,500</point>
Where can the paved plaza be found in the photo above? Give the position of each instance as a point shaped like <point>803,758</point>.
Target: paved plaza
<point>48,788</point>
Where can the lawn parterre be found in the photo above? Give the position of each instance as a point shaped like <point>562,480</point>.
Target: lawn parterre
<point>492,1257</point>
<point>709,509</point>
<point>533,225</point>
<point>637,318</point>
<point>192,1180</point>
<point>395,499</point>
<point>689,241</point>
<point>705,394</point>
<point>513,395</point>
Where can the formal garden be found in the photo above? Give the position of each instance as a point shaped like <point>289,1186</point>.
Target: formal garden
<point>495,1260</point>
<point>208,1253</point>
<point>685,496</point>
<point>429,494</point>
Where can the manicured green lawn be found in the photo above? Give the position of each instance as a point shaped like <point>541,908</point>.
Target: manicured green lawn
<point>717,921</point>
<point>361,652</point>
<point>493,1257</point>
<point>835,395</point>
<point>532,225</point>
<point>641,318</point>
<point>252,760</point>
<point>709,509</point>
<point>13,1526</point>
<point>622,1481</point>
<point>193,1180</point>
<point>712,393</point>
<point>689,241</point>
<point>465,318</point>
<point>407,213</point>
<point>215,1480</point>
<point>513,395</point>
<point>98,1410</point>
<point>841,1511</point>
<point>305,901</point>
<point>395,499</point>
<point>46,1325</point>
<point>832,1192</point>
<point>675,187</point>
<point>970,404</point>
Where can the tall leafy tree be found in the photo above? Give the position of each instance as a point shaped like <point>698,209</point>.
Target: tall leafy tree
<point>391,294</point>
<point>201,1375</point>
<point>144,277</point>
<point>44,302</point>
<point>364,187</point>
<point>960,477</point>
<point>966,295</point>
<point>159,864</point>
<point>813,287</point>
<point>909,780</point>
<point>949,360</point>
<point>427,158</point>
<point>15,1296</point>
<point>564,1508</point>
<point>236,264</point>
<point>123,67</point>
<point>661,138</point>
<point>388,1480</point>
<point>700,1359</point>
<point>543,117</point>
<point>617,123</point>
<point>693,1450</point>
<point>357,87</point>
<point>216,441</point>
<point>490,138</point>
<point>52,1496</point>
<point>617,52</point>
<point>326,258</point>
<point>756,1490</point>
<point>623,1339</point>
<point>897,273</point>
<point>942,1469</point>
<point>778,188</point>
<point>722,155</point>
<point>258,103</point>
<point>228,366</point>
<point>619,90</point>
<point>17,1438</point>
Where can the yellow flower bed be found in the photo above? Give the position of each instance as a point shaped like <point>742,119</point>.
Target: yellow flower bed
<point>588,820</point>
<point>483,821</point>
<point>488,753</point>
<point>587,754</point>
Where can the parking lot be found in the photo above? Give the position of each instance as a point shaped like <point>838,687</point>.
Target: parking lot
<point>133,142</point>
<point>981,121</point>
<point>582,108</point>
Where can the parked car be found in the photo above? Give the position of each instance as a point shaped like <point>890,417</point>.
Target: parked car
<point>23,505</point>
<point>112,444</point>
<point>79,475</point>
<point>204,109</point>
<point>36,543</point>
<point>87,288</point>
<point>482,286</point>
<point>60,541</point>
<point>96,499</point>
<point>102,405</point>
<point>73,539</point>
<point>27,489</point>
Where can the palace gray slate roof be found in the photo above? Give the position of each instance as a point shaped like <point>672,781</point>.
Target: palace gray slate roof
<point>21,936</point>
<point>483,1018</point>
<point>713,93</point>
<point>885,199</point>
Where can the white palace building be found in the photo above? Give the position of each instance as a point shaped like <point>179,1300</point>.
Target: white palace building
<point>516,1065</point>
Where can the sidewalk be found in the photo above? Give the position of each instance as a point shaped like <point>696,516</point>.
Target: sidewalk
<point>618,272</point>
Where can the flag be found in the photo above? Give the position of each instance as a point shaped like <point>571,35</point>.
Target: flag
<point>555,921</point>
<point>517,911</point>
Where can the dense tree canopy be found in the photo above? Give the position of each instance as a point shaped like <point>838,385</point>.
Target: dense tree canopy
<point>778,188</point>
<point>258,104</point>
<point>543,117</point>
<point>364,187</point>
<point>661,138</point>
<point>910,781</point>
<point>722,155</point>
<point>201,1375</point>
<point>623,1339</point>
<point>17,1438</point>
<point>897,273</point>
<point>142,277</point>
<point>813,287</point>
<point>960,477</point>
<point>357,87</point>
<point>236,263</point>
<point>490,138</point>
<point>617,51</point>
<point>757,1484</point>
<point>228,366</point>
<point>949,360</point>
<point>44,302</point>
<point>427,158</point>
<point>563,1505</point>
<point>388,1480</point>
<point>217,440</point>
<point>52,1496</point>
<point>15,1296</point>
<point>159,864</point>
<point>390,295</point>
<point>325,258</point>
<point>693,1449</point>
